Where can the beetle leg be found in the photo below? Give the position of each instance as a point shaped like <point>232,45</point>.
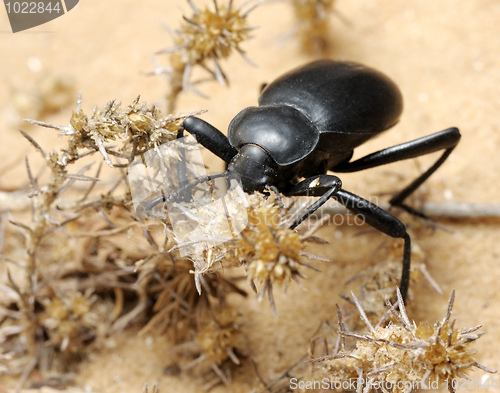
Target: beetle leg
<point>324,186</point>
<point>278,196</point>
<point>178,195</point>
<point>209,137</point>
<point>328,186</point>
<point>446,140</point>
<point>182,171</point>
<point>384,222</point>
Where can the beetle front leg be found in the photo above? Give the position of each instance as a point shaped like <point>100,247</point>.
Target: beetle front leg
<point>209,137</point>
<point>324,186</point>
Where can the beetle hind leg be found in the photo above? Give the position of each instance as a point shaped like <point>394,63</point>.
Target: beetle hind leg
<point>328,186</point>
<point>397,200</point>
<point>385,222</point>
<point>445,140</point>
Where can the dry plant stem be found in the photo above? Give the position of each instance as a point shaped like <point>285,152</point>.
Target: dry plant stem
<point>313,25</point>
<point>156,389</point>
<point>42,202</point>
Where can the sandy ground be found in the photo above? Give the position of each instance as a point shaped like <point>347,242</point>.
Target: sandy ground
<point>444,55</point>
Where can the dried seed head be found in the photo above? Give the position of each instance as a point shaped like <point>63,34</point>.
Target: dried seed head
<point>204,38</point>
<point>221,337</point>
<point>218,344</point>
<point>69,318</point>
<point>403,354</point>
<point>210,34</point>
<point>139,126</point>
<point>270,250</point>
<point>271,253</point>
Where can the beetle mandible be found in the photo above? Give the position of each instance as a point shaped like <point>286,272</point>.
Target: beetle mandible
<point>308,122</point>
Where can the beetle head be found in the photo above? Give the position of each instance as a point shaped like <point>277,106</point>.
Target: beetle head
<point>254,167</point>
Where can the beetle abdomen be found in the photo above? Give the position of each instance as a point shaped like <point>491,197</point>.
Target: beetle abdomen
<point>339,97</point>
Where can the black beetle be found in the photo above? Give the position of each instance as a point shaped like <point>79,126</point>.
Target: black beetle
<point>308,122</point>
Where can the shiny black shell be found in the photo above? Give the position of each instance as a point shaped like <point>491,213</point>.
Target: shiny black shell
<point>327,106</point>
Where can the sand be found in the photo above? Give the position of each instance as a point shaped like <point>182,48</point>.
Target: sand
<point>443,55</point>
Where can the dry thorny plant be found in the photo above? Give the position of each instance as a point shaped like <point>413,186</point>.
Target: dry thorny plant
<point>92,265</point>
<point>204,39</point>
<point>82,243</point>
<point>87,251</point>
<point>217,346</point>
<point>378,282</point>
<point>271,252</point>
<point>210,35</point>
<point>397,355</point>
